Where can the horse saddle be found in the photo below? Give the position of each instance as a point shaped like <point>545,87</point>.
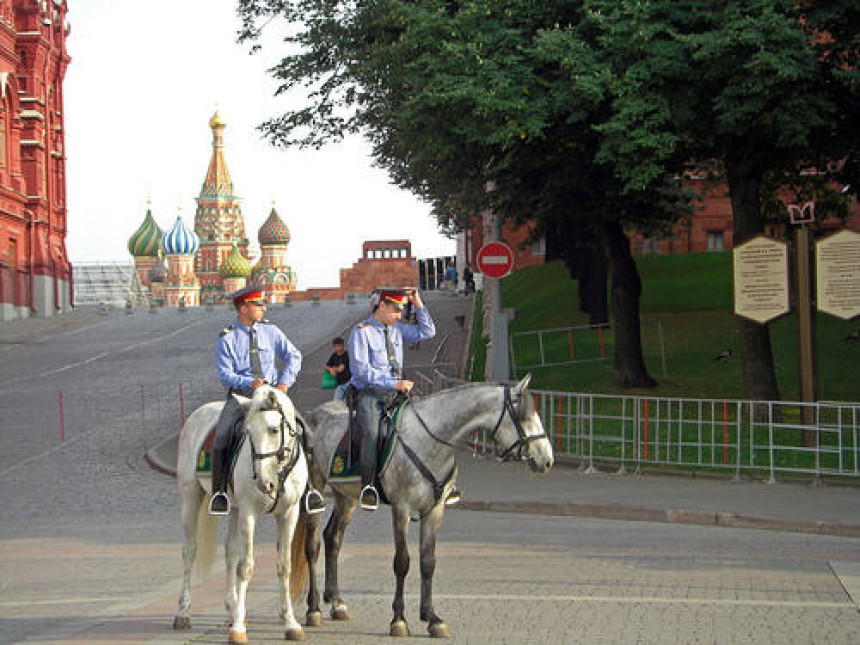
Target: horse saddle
<point>204,455</point>
<point>346,460</point>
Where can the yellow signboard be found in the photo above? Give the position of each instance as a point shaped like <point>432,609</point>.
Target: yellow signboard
<point>837,272</point>
<point>760,267</point>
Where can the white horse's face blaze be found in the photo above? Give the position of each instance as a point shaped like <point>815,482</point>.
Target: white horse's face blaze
<point>264,427</point>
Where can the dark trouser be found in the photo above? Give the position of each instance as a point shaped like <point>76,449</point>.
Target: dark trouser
<point>371,402</point>
<point>228,431</point>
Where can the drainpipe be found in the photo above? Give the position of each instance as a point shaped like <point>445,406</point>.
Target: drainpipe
<point>30,262</point>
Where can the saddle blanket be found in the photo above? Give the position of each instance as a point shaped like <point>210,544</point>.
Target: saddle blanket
<point>346,461</point>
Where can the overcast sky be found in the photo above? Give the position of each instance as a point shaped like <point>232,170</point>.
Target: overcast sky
<point>144,80</point>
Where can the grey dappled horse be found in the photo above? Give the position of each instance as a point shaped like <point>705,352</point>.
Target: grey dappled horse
<point>269,476</point>
<point>417,479</point>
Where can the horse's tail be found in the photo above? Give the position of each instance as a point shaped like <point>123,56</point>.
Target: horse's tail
<point>207,540</point>
<point>298,559</point>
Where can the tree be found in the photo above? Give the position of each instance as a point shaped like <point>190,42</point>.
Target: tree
<point>453,95</point>
<point>765,88</point>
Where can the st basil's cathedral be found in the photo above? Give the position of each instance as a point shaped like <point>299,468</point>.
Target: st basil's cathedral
<point>202,266</point>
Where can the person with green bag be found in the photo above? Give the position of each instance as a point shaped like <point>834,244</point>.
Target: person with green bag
<point>336,372</point>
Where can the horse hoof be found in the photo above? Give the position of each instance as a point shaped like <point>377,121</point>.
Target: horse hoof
<point>181,622</point>
<point>439,630</point>
<point>340,613</point>
<point>314,619</point>
<point>295,634</point>
<point>399,629</point>
<point>236,637</point>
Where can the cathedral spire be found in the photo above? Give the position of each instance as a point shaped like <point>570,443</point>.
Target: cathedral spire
<point>218,182</point>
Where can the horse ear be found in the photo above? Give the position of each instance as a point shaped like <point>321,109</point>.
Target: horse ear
<point>523,385</point>
<point>244,402</point>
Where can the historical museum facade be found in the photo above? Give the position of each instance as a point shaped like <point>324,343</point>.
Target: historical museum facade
<point>35,274</point>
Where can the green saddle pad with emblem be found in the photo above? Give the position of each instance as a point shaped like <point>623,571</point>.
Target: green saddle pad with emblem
<point>346,460</point>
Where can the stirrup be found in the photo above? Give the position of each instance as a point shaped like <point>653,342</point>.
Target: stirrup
<point>454,497</point>
<point>372,501</point>
<point>217,507</point>
<point>314,502</point>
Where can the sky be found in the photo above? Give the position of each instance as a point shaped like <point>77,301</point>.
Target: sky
<point>144,80</point>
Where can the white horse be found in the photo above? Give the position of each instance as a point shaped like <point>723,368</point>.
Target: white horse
<point>269,476</point>
<point>417,479</point>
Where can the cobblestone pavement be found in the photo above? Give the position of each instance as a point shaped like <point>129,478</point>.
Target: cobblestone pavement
<point>90,536</point>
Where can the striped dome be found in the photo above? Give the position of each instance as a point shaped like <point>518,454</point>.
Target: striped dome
<point>144,242</point>
<point>235,265</point>
<point>180,240</point>
<point>274,231</point>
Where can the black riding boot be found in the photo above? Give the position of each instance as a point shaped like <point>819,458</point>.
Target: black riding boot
<point>220,503</point>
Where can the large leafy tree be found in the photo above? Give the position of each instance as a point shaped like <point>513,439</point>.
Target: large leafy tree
<point>761,90</point>
<point>455,96</point>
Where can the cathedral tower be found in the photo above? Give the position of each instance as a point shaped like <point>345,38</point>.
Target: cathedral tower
<point>218,221</point>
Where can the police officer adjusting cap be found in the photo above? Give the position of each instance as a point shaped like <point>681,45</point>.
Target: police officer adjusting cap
<point>253,293</point>
<point>392,295</point>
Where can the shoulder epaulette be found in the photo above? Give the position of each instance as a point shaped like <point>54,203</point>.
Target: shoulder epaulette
<point>362,325</point>
<point>226,330</point>
<point>265,321</point>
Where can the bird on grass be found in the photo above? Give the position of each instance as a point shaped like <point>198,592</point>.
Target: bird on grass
<point>723,356</point>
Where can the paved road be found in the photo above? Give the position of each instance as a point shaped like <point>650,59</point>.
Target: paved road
<point>89,541</point>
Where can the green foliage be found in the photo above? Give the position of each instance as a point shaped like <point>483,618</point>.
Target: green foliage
<point>687,321</point>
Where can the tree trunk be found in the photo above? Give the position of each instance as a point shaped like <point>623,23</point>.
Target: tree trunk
<point>629,365</point>
<point>575,244</point>
<point>758,375</point>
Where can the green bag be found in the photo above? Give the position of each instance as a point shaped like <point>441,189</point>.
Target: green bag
<point>328,382</point>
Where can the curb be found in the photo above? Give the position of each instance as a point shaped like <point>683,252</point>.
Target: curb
<point>610,512</point>
<point>669,515</point>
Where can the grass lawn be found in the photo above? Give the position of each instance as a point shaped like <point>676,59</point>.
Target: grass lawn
<point>687,321</point>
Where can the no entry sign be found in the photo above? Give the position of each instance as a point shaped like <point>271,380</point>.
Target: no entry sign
<point>495,260</point>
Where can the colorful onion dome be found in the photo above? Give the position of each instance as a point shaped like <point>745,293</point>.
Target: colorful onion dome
<point>145,240</point>
<point>158,272</point>
<point>235,265</point>
<point>180,240</point>
<point>274,231</point>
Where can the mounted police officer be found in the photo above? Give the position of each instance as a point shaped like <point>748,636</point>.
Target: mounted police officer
<point>247,351</point>
<point>376,363</point>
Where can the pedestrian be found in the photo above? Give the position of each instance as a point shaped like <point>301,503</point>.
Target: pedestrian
<point>338,366</point>
<point>246,359</point>
<point>451,277</point>
<point>468,280</point>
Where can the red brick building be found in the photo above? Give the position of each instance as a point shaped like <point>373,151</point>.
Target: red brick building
<point>35,274</point>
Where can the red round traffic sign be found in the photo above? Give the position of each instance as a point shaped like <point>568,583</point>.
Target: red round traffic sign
<point>495,259</point>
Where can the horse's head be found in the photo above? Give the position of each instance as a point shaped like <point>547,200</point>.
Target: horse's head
<point>270,423</point>
<point>519,431</point>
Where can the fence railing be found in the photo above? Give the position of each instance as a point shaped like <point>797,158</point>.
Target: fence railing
<point>559,346</point>
<point>755,437</point>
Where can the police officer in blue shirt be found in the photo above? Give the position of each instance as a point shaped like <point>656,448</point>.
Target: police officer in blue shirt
<point>247,351</point>
<point>376,363</point>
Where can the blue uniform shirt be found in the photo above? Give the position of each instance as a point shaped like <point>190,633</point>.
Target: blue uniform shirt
<point>368,356</point>
<point>234,362</point>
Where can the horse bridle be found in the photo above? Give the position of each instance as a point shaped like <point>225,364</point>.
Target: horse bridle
<point>283,470</point>
<point>516,451</point>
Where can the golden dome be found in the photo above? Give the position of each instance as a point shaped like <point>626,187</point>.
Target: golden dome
<point>216,121</point>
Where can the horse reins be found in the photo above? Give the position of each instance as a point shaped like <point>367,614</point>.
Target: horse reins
<point>279,454</point>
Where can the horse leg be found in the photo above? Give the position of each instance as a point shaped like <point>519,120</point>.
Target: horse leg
<point>344,508</point>
<point>192,498</point>
<point>286,526</point>
<point>400,524</point>
<point>240,561</point>
<point>312,552</point>
<point>430,524</point>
